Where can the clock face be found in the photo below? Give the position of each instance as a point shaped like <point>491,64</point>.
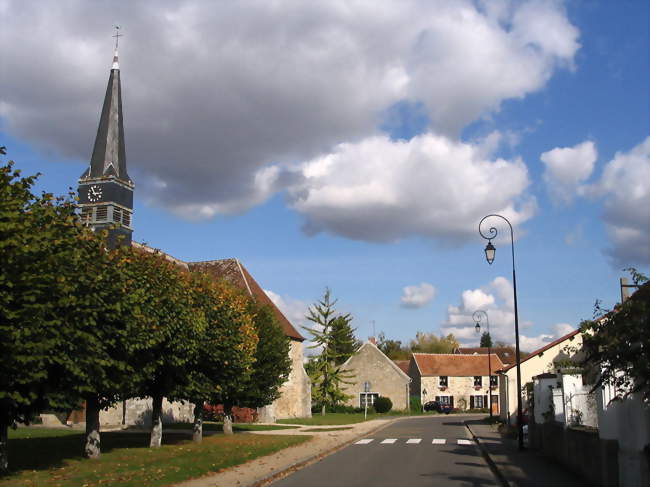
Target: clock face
<point>94,193</point>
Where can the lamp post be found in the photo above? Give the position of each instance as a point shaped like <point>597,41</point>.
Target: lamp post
<point>477,315</point>
<point>490,253</point>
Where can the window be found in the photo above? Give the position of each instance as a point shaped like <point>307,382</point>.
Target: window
<point>476,402</point>
<point>443,381</point>
<point>494,381</point>
<point>367,397</point>
<point>478,381</point>
<point>117,214</point>
<point>444,399</point>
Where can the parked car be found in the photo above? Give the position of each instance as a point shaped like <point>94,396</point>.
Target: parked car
<point>437,406</point>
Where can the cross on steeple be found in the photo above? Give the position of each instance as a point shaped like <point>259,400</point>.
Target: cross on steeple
<point>117,35</point>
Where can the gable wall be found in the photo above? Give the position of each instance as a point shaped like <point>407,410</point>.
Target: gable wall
<point>369,364</point>
<point>535,365</point>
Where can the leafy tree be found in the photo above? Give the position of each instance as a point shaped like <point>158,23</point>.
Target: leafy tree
<point>327,376</point>
<point>166,329</point>
<point>343,343</point>
<point>225,350</point>
<point>272,361</point>
<point>617,342</point>
<point>431,343</point>
<point>60,319</point>
<point>486,339</point>
<point>393,349</point>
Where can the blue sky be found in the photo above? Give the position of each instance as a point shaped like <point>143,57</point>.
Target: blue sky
<point>357,148</point>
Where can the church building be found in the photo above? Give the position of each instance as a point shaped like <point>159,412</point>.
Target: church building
<point>106,203</point>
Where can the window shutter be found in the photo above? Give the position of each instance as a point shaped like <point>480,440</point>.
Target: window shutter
<point>471,402</point>
<point>437,398</point>
<point>451,401</point>
<point>485,402</point>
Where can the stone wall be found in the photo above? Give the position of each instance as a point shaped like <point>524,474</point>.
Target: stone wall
<point>580,450</point>
<point>369,364</point>
<point>295,398</point>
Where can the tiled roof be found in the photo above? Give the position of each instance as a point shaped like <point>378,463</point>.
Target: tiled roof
<point>506,354</point>
<point>544,348</point>
<point>455,365</point>
<point>403,364</point>
<point>235,273</point>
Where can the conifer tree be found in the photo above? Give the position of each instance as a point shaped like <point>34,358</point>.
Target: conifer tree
<point>343,343</point>
<point>327,376</point>
<point>486,339</point>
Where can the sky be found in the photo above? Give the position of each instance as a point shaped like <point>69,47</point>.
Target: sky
<point>356,145</point>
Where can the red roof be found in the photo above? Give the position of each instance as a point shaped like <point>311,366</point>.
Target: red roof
<point>235,273</point>
<point>455,365</point>
<point>544,348</point>
<point>403,364</point>
<point>506,354</point>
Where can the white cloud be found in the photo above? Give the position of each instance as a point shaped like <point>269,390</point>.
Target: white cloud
<point>417,296</point>
<point>625,187</point>
<point>566,168</point>
<point>295,310</point>
<point>214,94</point>
<point>382,190</point>
<point>497,300</point>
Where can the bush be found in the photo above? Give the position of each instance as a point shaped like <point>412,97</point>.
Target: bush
<point>415,404</point>
<point>383,404</point>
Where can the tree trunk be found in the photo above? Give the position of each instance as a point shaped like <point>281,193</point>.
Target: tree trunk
<point>4,453</point>
<point>156,422</point>
<point>322,410</point>
<point>197,430</point>
<point>227,419</point>
<point>92,447</point>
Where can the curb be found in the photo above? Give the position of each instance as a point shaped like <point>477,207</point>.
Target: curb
<point>486,455</point>
<point>283,471</point>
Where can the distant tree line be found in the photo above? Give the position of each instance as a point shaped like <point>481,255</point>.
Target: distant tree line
<point>83,324</point>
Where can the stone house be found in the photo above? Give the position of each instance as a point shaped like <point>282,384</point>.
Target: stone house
<point>538,362</point>
<point>372,368</point>
<point>455,379</point>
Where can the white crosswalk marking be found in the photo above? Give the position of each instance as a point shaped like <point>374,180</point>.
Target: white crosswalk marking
<point>364,441</point>
<point>389,441</point>
<point>464,442</point>
<point>439,441</point>
<point>414,441</point>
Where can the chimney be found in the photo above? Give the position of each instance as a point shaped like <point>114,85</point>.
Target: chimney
<point>372,340</point>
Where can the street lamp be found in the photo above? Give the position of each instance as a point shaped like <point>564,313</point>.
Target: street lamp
<point>477,318</point>
<point>490,253</point>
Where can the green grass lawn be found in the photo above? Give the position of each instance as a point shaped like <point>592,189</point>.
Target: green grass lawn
<point>210,426</point>
<point>51,457</point>
<point>332,418</point>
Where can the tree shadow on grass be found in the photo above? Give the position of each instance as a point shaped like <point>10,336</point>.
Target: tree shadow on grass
<point>46,453</point>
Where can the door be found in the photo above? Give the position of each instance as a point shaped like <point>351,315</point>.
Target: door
<point>495,404</point>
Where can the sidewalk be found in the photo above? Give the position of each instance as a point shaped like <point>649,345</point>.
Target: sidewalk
<point>520,468</point>
<point>263,470</point>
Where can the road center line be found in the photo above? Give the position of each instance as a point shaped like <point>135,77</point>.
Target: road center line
<point>413,441</point>
<point>464,442</point>
<point>439,441</point>
<point>389,441</point>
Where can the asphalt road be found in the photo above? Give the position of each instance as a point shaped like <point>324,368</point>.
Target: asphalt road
<point>445,456</point>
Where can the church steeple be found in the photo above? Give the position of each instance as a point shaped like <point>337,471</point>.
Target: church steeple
<point>105,188</point>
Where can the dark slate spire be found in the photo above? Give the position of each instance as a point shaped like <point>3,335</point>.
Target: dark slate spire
<point>109,154</point>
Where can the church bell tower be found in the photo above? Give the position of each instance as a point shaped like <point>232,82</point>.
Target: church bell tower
<point>105,188</point>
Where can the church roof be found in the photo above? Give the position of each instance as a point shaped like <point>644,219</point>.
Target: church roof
<point>233,271</point>
<point>109,153</point>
